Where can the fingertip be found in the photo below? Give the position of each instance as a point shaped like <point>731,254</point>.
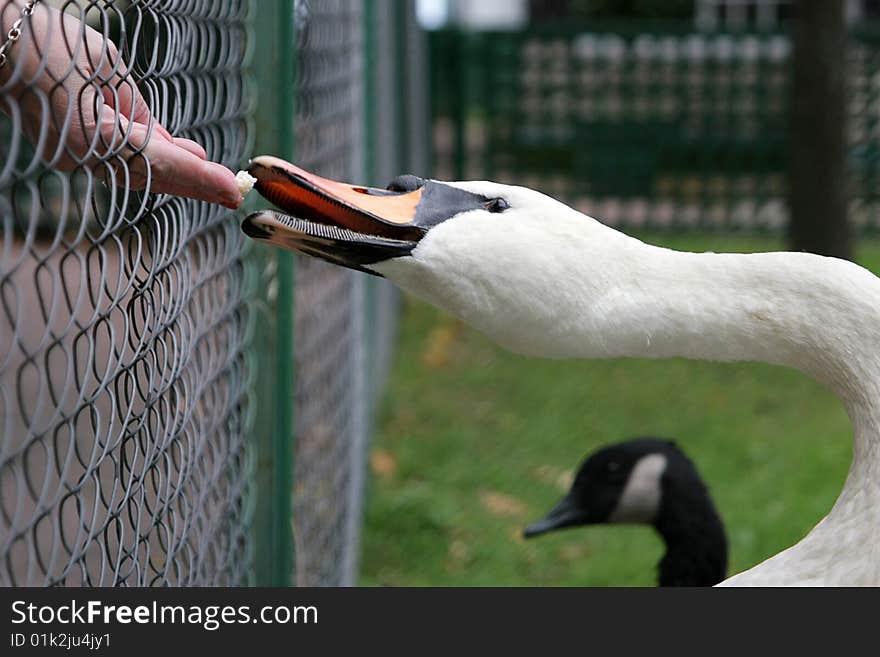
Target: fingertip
<point>232,201</point>
<point>184,173</point>
<point>233,205</point>
<point>223,180</point>
<point>221,176</point>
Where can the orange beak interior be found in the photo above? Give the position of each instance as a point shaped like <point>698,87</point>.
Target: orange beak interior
<point>365,210</point>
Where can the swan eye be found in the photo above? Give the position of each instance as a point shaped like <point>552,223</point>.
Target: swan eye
<point>496,205</point>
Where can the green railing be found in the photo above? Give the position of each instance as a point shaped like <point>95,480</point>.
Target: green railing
<point>641,124</point>
<point>273,388</point>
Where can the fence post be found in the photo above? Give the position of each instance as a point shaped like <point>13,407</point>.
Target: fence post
<point>460,75</point>
<point>401,57</point>
<point>817,140</point>
<point>369,126</point>
<point>273,527</point>
<point>416,106</point>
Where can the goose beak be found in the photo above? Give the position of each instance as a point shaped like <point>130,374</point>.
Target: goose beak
<point>348,225</point>
<point>565,514</point>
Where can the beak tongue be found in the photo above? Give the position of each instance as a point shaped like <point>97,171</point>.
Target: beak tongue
<point>565,514</point>
<point>365,210</point>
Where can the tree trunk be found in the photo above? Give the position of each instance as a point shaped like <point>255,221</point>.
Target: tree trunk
<point>817,198</point>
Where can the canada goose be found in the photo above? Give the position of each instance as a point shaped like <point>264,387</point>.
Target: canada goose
<point>653,482</point>
<point>543,279</point>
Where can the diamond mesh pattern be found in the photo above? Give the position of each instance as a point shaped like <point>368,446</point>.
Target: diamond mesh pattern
<point>129,367</point>
<point>124,316</point>
<point>329,306</point>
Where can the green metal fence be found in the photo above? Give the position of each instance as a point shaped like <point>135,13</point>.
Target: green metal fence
<point>336,92</point>
<point>179,405</point>
<point>126,343</point>
<point>641,124</point>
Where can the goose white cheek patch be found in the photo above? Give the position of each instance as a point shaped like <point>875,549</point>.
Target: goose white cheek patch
<point>641,495</point>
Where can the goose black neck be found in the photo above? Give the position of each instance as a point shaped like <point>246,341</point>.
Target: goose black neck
<point>696,546</point>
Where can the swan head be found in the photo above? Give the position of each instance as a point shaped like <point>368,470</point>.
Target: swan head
<point>503,258</point>
<point>353,225</point>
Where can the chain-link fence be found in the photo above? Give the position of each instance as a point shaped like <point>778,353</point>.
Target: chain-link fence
<point>145,348</point>
<point>123,366</point>
<point>342,347</point>
<point>330,419</point>
<point>642,124</point>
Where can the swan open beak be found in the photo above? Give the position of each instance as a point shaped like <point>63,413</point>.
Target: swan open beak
<point>349,225</point>
<point>564,514</point>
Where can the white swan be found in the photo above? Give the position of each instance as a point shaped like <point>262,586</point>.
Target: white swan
<point>542,279</point>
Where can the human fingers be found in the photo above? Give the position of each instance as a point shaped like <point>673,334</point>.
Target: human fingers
<point>173,169</point>
<point>193,147</point>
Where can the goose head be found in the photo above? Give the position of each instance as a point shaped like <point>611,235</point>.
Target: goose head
<point>652,482</point>
<point>501,257</point>
<point>621,483</point>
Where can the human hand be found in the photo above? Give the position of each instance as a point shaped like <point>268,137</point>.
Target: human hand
<point>77,102</point>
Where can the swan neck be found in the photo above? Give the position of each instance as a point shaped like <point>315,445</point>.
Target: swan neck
<point>815,314</point>
<point>818,315</point>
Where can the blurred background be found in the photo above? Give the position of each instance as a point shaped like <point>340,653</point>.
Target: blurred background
<point>181,407</point>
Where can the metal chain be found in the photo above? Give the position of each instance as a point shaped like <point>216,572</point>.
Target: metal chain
<point>14,33</point>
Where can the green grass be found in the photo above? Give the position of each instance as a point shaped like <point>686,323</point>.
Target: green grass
<point>474,442</point>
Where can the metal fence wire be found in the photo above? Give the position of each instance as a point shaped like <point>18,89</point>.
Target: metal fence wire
<point>123,315</point>
<point>132,364</point>
<point>330,417</point>
<point>344,320</point>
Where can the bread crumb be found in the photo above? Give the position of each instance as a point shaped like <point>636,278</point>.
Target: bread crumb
<point>245,182</point>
